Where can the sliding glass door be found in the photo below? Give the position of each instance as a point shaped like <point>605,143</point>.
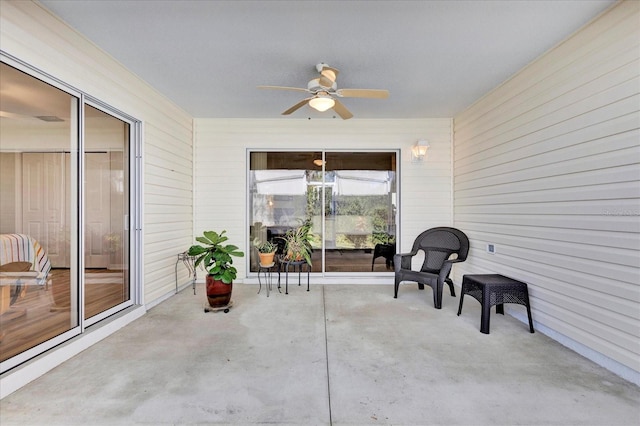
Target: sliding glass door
<point>65,209</point>
<point>284,195</point>
<point>106,248</point>
<point>360,210</point>
<point>39,224</point>
<point>349,198</point>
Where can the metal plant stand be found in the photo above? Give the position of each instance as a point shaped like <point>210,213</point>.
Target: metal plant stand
<point>266,270</point>
<point>297,264</point>
<point>188,262</point>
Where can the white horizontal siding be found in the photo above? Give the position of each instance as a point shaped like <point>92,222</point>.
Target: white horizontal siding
<point>547,168</point>
<point>33,35</point>
<point>221,166</point>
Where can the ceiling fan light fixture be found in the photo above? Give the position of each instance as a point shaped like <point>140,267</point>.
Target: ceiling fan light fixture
<point>322,103</point>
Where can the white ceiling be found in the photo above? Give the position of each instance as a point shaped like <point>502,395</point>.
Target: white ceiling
<point>435,57</point>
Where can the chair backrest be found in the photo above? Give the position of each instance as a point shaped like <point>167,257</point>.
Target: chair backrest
<point>24,248</point>
<point>439,244</point>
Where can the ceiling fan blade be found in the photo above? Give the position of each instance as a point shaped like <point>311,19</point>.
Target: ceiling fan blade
<point>327,74</point>
<point>297,106</point>
<point>342,110</point>
<point>363,93</point>
<point>297,89</point>
<point>325,81</point>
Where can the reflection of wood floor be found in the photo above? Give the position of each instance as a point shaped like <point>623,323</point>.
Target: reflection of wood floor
<point>44,313</point>
<point>352,261</point>
<point>347,260</point>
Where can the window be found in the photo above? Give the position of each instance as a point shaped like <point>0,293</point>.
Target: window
<point>349,198</point>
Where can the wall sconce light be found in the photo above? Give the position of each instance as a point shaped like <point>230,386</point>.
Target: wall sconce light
<point>419,150</point>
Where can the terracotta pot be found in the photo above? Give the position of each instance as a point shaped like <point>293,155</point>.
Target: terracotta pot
<point>218,293</point>
<point>293,258</point>
<point>266,258</point>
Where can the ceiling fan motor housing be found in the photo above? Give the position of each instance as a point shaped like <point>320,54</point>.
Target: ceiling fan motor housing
<point>315,86</point>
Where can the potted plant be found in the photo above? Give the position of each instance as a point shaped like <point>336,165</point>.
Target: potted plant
<point>298,243</point>
<point>217,260</point>
<point>266,251</point>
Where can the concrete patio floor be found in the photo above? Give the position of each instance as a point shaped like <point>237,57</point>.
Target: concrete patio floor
<point>339,354</point>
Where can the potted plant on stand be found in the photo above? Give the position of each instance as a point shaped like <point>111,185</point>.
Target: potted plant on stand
<point>298,244</point>
<point>297,252</point>
<point>217,260</point>
<point>266,251</point>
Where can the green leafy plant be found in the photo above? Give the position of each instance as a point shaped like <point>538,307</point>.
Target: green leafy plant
<point>298,243</point>
<point>215,256</point>
<point>265,247</point>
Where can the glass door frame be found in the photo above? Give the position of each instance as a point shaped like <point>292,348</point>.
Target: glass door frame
<point>76,216</point>
<point>396,218</point>
<point>323,273</point>
<point>134,206</point>
<point>73,218</point>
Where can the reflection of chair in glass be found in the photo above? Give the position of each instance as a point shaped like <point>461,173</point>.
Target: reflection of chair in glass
<point>23,262</point>
<point>384,250</point>
<point>438,245</point>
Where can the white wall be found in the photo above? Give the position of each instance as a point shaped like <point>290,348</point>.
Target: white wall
<point>33,35</point>
<point>221,166</point>
<point>547,167</point>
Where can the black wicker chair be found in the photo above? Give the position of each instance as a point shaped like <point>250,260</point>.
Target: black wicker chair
<point>438,244</point>
<point>384,250</point>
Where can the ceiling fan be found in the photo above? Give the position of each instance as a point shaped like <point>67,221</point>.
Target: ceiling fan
<point>325,92</point>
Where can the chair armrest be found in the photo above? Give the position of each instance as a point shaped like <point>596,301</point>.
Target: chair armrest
<point>27,274</point>
<point>403,260</point>
<point>11,278</point>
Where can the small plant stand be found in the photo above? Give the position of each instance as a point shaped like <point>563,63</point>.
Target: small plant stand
<point>189,262</point>
<point>296,264</point>
<point>266,270</point>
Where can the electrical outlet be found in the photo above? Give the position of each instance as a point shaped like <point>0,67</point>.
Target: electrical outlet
<point>491,248</point>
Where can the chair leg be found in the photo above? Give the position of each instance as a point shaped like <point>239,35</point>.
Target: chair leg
<point>420,286</point>
<point>437,296</point>
<point>396,286</point>
<point>529,311</point>
<point>451,288</point>
<point>435,301</point>
<point>460,305</point>
<point>530,320</point>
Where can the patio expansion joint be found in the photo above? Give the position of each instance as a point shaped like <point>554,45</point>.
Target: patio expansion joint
<point>326,348</point>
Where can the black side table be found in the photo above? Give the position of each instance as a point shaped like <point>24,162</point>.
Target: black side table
<point>494,289</point>
<point>296,264</point>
